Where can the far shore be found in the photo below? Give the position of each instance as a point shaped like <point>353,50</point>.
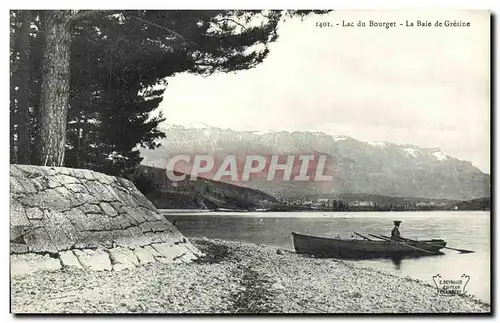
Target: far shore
<point>173,211</point>
<point>235,278</point>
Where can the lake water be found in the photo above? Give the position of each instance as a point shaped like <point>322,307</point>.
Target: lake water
<point>463,230</point>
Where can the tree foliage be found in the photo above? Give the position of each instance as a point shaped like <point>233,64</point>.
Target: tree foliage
<point>118,65</point>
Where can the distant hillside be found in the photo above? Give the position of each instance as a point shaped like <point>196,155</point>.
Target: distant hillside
<point>380,168</point>
<point>199,194</point>
<point>377,199</point>
<point>214,195</point>
<point>481,204</point>
<point>381,203</point>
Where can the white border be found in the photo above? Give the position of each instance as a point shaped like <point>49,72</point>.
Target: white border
<point>493,5</point>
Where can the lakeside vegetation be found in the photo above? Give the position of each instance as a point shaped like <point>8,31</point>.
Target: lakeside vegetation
<point>220,196</point>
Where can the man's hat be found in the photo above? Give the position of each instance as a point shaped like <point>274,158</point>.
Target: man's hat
<point>397,222</point>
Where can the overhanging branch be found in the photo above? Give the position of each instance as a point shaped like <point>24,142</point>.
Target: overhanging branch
<point>234,21</point>
<point>90,14</point>
<point>185,39</point>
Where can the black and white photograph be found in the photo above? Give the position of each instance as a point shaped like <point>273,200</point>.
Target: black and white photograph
<point>243,162</point>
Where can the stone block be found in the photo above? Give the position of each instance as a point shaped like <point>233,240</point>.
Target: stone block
<point>120,222</point>
<point>15,171</point>
<point>23,264</point>
<point>31,171</point>
<point>86,198</point>
<point>90,208</point>
<point>34,213</point>
<point>15,186</point>
<point>94,259</point>
<point>136,231</point>
<point>78,173</point>
<point>124,183</point>
<point>118,206</point>
<point>71,231</point>
<point>36,224</point>
<point>88,240</point>
<point>18,214</point>
<point>108,210</point>
<point>140,199</point>
<point>139,238</point>
<point>48,199</point>
<point>150,215</point>
<point>97,222</point>
<point>145,227</point>
<point>103,178</point>
<point>63,170</point>
<point>168,238</point>
<point>38,240</point>
<point>48,181</point>
<point>77,188</point>
<point>18,248</point>
<point>68,259</point>
<point>158,226</point>
<point>77,218</point>
<point>89,175</point>
<point>99,191</point>
<point>125,238</point>
<point>169,252</point>
<point>102,239</point>
<point>122,258</point>
<point>152,237</point>
<point>28,185</point>
<point>135,214</point>
<point>66,180</point>
<point>56,224</point>
<point>123,197</point>
<point>145,255</point>
<point>113,193</point>
<point>50,171</point>
<point>188,257</point>
<point>65,193</point>
<point>39,185</point>
<point>17,233</point>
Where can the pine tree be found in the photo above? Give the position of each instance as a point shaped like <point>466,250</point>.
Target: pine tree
<point>94,76</point>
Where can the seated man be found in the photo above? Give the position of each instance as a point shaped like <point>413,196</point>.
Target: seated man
<point>395,234</point>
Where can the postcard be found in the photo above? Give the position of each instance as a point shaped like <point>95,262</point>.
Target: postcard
<point>246,162</point>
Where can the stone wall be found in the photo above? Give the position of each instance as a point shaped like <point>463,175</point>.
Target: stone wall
<point>64,217</point>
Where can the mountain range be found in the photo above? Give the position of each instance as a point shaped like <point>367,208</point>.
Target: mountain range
<point>359,167</point>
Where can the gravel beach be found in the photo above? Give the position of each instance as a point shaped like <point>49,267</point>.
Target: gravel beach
<point>234,278</point>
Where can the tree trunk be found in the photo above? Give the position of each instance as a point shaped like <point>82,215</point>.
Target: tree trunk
<point>24,131</point>
<point>55,90</point>
<point>14,63</point>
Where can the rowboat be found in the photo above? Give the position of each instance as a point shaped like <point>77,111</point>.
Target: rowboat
<point>352,248</point>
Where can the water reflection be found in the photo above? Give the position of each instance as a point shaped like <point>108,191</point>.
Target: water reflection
<point>467,230</point>
<point>397,263</point>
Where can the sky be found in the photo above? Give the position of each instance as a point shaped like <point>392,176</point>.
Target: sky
<point>426,86</point>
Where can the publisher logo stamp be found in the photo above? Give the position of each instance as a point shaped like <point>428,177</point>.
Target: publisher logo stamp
<point>451,287</point>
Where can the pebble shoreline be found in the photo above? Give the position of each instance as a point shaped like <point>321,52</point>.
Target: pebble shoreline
<point>234,278</point>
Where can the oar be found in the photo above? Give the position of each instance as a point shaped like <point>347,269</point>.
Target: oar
<point>404,244</point>
<point>436,245</point>
<point>362,236</point>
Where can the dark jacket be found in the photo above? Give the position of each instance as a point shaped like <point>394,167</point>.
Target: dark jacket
<point>395,235</point>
